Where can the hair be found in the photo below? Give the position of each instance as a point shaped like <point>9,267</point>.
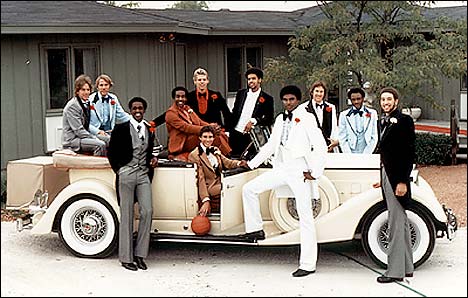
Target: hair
<point>291,89</point>
<point>207,128</point>
<point>256,71</point>
<point>390,90</point>
<point>200,72</point>
<point>178,88</point>
<point>105,78</point>
<point>80,81</point>
<point>319,84</point>
<point>356,90</point>
<point>137,99</point>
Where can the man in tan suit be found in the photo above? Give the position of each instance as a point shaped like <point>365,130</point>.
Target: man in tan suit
<point>183,127</point>
<point>210,163</point>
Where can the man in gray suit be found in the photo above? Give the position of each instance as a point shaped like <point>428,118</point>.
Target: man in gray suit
<point>75,125</point>
<point>130,156</point>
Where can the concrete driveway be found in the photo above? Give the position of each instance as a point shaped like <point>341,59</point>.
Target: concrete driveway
<point>41,266</point>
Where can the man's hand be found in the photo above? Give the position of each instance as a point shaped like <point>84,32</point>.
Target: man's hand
<point>102,133</point>
<point>205,208</point>
<point>154,162</point>
<point>216,127</point>
<point>307,176</point>
<point>333,144</point>
<point>248,127</point>
<point>401,189</point>
<point>376,185</point>
<point>243,163</point>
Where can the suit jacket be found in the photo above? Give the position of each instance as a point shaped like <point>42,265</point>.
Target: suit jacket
<point>347,132</point>
<point>304,140</point>
<point>209,178</point>
<point>75,123</point>
<point>120,150</point>
<point>397,150</point>
<point>117,114</point>
<point>329,126</point>
<point>263,111</point>
<point>216,107</point>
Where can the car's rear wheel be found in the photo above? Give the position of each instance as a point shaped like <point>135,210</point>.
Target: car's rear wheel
<point>283,209</point>
<point>375,234</point>
<point>88,226</point>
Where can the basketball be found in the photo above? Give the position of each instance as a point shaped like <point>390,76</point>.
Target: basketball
<point>201,225</point>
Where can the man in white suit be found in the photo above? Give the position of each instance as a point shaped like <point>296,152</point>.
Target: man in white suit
<point>357,129</point>
<point>299,155</point>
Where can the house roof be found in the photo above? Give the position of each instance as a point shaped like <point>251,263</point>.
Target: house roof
<point>26,17</point>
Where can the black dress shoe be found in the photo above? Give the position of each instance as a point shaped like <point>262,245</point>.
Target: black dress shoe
<point>385,279</point>
<point>130,266</point>
<point>302,272</point>
<point>140,263</point>
<point>254,236</point>
<point>409,275</point>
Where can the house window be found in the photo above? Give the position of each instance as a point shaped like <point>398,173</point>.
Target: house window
<point>62,65</point>
<point>463,83</point>
<point>238,60</point>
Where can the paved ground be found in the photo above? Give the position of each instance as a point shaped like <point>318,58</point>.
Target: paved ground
<point>41,266</point>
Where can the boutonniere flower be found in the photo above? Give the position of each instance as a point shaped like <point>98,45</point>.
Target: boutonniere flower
<point>91,107</point>
<point>328,109</point>
<point>152,128</point>
<point>393,120</point>
<point>112,102</point>
<point>368,115</point>
<point>261,99</point>
<point>190,111</point>
<point>214,96</point>
<point>297,120</point>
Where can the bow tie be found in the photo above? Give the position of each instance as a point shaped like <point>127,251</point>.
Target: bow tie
<point>354,112</point>
<point>105,99</point>
<point>319,105</point>
<point>202,94</point>
<point>287,115</point>
<point>210,150</point>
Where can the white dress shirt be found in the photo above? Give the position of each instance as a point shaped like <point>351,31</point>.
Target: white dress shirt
<point>247,110</point>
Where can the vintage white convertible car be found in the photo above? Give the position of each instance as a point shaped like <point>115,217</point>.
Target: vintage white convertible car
<point>75,196</point>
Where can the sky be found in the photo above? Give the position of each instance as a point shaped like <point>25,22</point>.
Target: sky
<point>261,5</point>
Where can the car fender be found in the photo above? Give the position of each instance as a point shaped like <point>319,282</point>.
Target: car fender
<point>423,193</point>
<point>96,187</point>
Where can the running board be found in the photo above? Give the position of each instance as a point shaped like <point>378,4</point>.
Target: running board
<point>233,239</point>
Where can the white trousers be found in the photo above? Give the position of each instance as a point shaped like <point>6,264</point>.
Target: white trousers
<point>285,174</point>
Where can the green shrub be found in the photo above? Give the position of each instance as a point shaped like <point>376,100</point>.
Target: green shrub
<point>432,149</point>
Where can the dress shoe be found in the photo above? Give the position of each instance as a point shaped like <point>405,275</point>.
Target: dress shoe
<point>130,266</point>
<point>385,279</point>
<point>254,236</point>
<point>140,263</point>
<point>409,275</point>
<point>302,272</point>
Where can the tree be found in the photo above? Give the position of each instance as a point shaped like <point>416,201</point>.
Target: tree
<point>194,5</point>
<point>131,4</point>
<point>385,43</point>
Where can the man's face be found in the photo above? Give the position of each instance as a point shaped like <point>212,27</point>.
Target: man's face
<point>180,98</point>
<point>207,139</point>
<point>201,82</point>
<point>357,100</point>
<point>103,87</point>
<point>137,110</point>
<point>84,92</point>
<point>253,82</point>
<point>290,102</point>
<point>388,103</point>
<point>318,94</point>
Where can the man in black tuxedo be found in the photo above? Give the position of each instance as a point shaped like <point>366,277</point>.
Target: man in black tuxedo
<point>397,155</point>
<point>252,107</point>
<point>130,156</point>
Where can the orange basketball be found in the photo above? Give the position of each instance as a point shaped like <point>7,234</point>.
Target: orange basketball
<point>201,225</point>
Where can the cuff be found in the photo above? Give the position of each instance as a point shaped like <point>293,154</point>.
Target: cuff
<point>254,121</point>
<point>205,200</point>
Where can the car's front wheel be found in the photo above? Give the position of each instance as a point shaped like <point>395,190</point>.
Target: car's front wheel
<point>375,234</point>
<point>88,226</point>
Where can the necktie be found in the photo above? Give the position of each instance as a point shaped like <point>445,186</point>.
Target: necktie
<point>384,121</point>
<point>320,106</point>
<point>202,103</point>
<point>287,115</point>
<point>354,112</point>
<point>140,135</point>
<point>105,99</point>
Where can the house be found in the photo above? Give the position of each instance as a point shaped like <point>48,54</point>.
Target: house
<point>147,52</point>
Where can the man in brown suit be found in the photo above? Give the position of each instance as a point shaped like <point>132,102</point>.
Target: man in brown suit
<point>210,163</point>
<point>183,127</point>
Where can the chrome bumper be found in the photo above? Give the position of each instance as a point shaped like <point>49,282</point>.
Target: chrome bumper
<point>452,224</point>
<point>37,207</point>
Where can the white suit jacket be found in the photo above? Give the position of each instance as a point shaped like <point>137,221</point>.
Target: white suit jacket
<point>347,131</point>
<point>117,113</point>
<point>305,140</point>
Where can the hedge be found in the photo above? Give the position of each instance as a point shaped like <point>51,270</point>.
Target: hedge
<point>433,149</point>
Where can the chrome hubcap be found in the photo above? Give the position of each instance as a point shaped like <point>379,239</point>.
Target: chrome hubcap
<point>316,207</point>
<point>383,236</point>
<point>89,225</point>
